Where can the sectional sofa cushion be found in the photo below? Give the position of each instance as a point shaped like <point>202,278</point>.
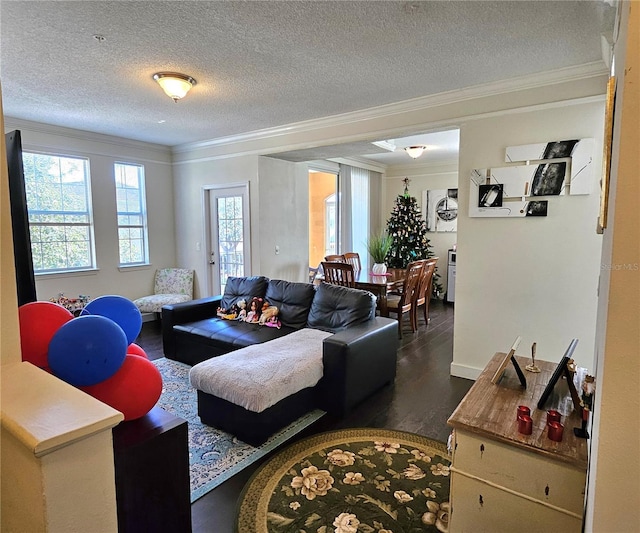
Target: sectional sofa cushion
<point>259,376</point>
<point>292,299</point>
<point>335,308</point>
<point>228,335</point>
<point>243,289</point>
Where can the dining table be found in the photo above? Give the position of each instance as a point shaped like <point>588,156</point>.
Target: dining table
<point>380,285</point>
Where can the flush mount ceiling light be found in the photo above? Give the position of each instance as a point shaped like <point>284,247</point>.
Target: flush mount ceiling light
<point>175,85</point>
<point>415,151</point>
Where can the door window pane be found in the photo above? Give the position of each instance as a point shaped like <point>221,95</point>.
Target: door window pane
<point>230,238</point>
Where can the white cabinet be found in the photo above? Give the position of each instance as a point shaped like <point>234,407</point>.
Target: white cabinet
<point>503,481</point>
<point>496,487</point>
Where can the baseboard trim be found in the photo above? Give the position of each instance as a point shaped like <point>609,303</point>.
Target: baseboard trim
<point>464,371</point>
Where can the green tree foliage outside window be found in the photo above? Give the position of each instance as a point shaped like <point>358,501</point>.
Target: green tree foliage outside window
<point>230,237</point>
<point>408,230</point>
<point>132,214</point>
<point>59,208</point>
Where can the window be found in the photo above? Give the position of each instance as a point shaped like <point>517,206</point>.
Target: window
<point>132,214</point>
<point>330,225</point>
<point>230,237</point>
<point>59,208</point>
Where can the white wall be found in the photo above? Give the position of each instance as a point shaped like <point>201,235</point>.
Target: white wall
<point>191,221</point>
<point>278,192</point>
<point>538,277</point>
<point>102,152</point>
<point>424,178</point>
<point>284,219</point>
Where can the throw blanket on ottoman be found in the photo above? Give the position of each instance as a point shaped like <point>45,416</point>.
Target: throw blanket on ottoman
<point>260,375</point>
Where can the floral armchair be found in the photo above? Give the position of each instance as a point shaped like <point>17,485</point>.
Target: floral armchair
<point>172,286</point>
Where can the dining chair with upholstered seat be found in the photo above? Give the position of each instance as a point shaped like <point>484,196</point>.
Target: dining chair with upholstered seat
<point>353,258</point>
<point>425,288</point>
<point>339,274</point>
<point>402,303</point>
<point>335,258</point>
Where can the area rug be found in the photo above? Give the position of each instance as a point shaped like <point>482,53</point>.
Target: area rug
<point>348,481</point>
<point>214,456</point>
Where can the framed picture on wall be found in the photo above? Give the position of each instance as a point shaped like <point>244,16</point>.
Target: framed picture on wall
<point>606,156</point>
<point>440,209</point>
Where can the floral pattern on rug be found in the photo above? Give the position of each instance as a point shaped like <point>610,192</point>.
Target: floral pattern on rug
<point>359,486</point>
<point>214,456</point>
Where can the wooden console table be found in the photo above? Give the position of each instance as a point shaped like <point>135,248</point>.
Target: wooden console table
<point>502,480</point>
<point>151,457</point>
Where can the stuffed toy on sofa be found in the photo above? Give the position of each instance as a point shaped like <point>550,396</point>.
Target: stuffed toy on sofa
<point>227,315</point>
<point>236,311</point>
<point>268,312</point>
<point>255,310</point>
<point>242,310</point>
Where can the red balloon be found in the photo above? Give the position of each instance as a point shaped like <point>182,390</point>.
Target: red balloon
<point>133,390</point>
<point>134,349</point>
<point>39,322</point>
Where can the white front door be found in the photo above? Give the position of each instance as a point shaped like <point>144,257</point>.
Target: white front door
<point>228,240</point>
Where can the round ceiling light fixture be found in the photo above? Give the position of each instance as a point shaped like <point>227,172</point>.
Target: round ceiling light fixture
<point>415,151</point>
<point>174,84</point>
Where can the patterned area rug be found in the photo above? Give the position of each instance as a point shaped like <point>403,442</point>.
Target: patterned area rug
<point>214,456</point>
<point>348,481</point>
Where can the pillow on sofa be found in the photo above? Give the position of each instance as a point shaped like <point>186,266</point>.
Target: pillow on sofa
<point>335,308</point>
<point>293,299</point>
<point>243,289</point>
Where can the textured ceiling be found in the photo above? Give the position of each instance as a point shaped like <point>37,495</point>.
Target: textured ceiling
<point>261,64</point>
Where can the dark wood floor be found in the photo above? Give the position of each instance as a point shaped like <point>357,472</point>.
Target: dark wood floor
<point>421,400</point>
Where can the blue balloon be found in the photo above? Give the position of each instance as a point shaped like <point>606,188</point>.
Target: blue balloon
<point>119,309</point>
<point>87,350</point>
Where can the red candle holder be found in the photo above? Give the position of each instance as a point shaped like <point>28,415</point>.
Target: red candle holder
<point>525,424</point>
<point>555,431</point>
<point>553,416</point>
<point>523,410</point>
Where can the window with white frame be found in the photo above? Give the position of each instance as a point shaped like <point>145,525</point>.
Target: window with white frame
<point>59,208</point>
<point>330,225</point>
<point>132,214</point>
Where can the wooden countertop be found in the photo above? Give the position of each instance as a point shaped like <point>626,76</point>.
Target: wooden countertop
<point>490,410</point>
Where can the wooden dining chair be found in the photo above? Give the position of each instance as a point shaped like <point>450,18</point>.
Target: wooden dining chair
<point>353,258</point>
<point>425,288</point>
<point>402,302</point>
<point>339,274</point>
<point>336,258</point>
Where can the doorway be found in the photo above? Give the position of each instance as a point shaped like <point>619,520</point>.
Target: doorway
<point>324,219</point>
<point>227,235</point>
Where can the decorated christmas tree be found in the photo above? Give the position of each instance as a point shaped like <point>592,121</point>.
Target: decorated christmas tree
<point>409,233</point>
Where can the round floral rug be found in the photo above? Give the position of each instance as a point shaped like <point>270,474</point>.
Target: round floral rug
<point>350,481</point>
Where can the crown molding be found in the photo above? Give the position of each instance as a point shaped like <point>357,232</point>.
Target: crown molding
<point>361,162</point>
<point>323,165</point>
<point>530,81</point>
<point>11,123</point>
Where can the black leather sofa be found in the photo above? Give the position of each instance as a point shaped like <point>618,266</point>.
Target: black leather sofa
<point>191,331</point>
<point>358,358</point>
